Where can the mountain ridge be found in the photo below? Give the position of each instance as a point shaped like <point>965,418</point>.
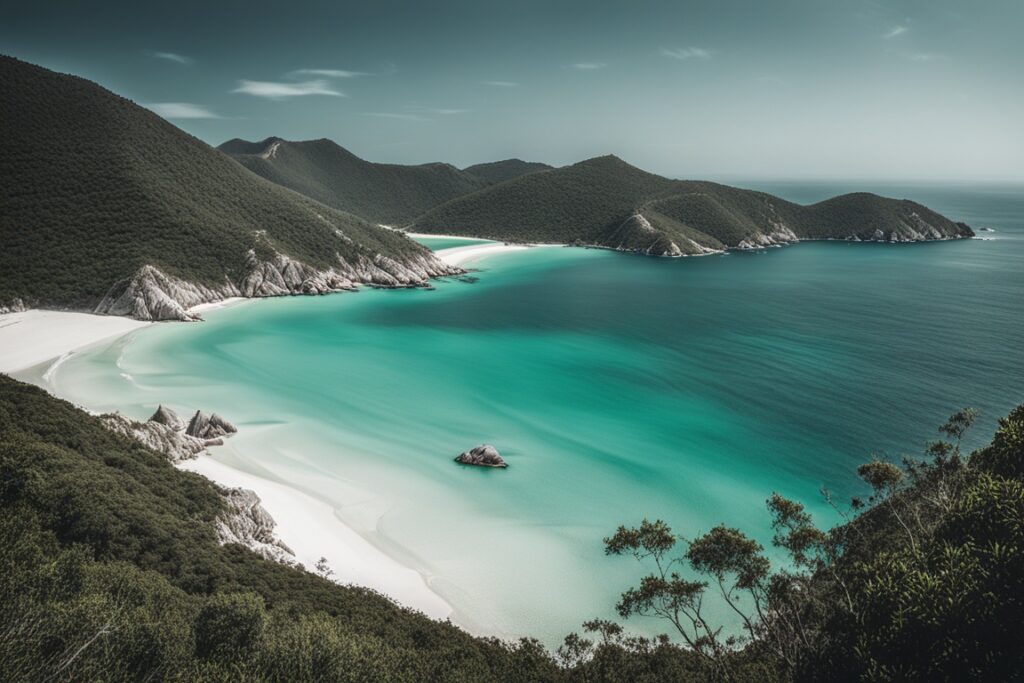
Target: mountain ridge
<point>607,202</point>
<point>388,194</point>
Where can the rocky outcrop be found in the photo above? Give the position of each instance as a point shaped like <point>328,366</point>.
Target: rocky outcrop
<point>483,455</point>
<point>166,432</point>
<point>151,294</point>
<point>15,305</point>
<point>168,417</point>
<point>209,427</point>
<point>176,445</point>
<point>246,522</point>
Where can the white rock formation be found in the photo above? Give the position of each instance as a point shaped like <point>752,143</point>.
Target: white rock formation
<point>151,294</point>
<point>248,523</point>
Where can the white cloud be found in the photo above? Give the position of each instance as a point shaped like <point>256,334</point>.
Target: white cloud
<point>501,84</point>
<point>181,110</point>
<point>173,57</point>
<point>587,66</point>
<point>394,115</point>
<point>436,110</point>
<point>686,53</point>
<point>278,91</point>
<point>896,31</point>
<point>326,73</point>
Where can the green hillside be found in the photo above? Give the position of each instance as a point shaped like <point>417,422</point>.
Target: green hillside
<point>606,202</point>
<point>94,188</point>
<point>499,171</point>
<point>382,193</point>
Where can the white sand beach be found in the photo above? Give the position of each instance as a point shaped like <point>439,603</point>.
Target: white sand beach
<point>311,528</point>
<point>460,256</point>
<point>32,337</point>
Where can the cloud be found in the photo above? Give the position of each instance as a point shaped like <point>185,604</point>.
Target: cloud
<point>326,73</point>
<point>173,57</point>
<point>587,66</point>
<point>181,110</point>
<point>438,111</point>
<point>683,53</point>
<point>279,91</point>
<point>896,31</point>
<point>395,115</point>
<point>500,84</point>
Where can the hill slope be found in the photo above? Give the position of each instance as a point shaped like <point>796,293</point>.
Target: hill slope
<point>606,202</point>
<point>499,171</point>
<point>108,207</point>
<point>382,193</point>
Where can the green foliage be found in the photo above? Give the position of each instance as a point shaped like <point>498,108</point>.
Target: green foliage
<point>924,583</point>
<point>93,187</point>
<point>382,193</point>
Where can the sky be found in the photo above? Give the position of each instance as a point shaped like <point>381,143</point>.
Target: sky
<point>902,90</point>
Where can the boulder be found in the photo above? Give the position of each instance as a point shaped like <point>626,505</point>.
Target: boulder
<point>168,417</point>
<point>203,426</point>
<point>483,455</point>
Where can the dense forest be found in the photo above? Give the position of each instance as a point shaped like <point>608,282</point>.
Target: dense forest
<point>93,187</point>
<point>112,571</point>
<point>606,202</point>
<point>495,172</point>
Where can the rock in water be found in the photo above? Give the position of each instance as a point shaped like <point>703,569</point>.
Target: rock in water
<point>168,417</point>
<point>209,426</point>
<point>483,455</point>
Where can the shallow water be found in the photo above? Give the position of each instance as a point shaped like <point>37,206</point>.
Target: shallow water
<point>617,387</point>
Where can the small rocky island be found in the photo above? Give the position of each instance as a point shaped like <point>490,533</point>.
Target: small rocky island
<point>483,455</point>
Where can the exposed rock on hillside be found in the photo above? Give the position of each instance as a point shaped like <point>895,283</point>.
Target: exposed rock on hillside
<point>154,295</point>
<point>246,522</point>
<point>484,455</point>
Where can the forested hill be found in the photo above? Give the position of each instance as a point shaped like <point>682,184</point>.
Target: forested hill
<point>606,202</point>
<point>108,207</point>
<point>500,171</point>
<point>382,193</point>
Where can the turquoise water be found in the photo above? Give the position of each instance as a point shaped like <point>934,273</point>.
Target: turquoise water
<point>617,387</point>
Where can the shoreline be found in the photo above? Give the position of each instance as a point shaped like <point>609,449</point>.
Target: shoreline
<point>32,337</point>
<point>312,529</point>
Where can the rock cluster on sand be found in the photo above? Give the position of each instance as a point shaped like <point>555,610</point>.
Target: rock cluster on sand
<point>166,432</point>
<point>483,455</point>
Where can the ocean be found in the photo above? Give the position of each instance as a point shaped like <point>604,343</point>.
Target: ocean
<point>617,387</point>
